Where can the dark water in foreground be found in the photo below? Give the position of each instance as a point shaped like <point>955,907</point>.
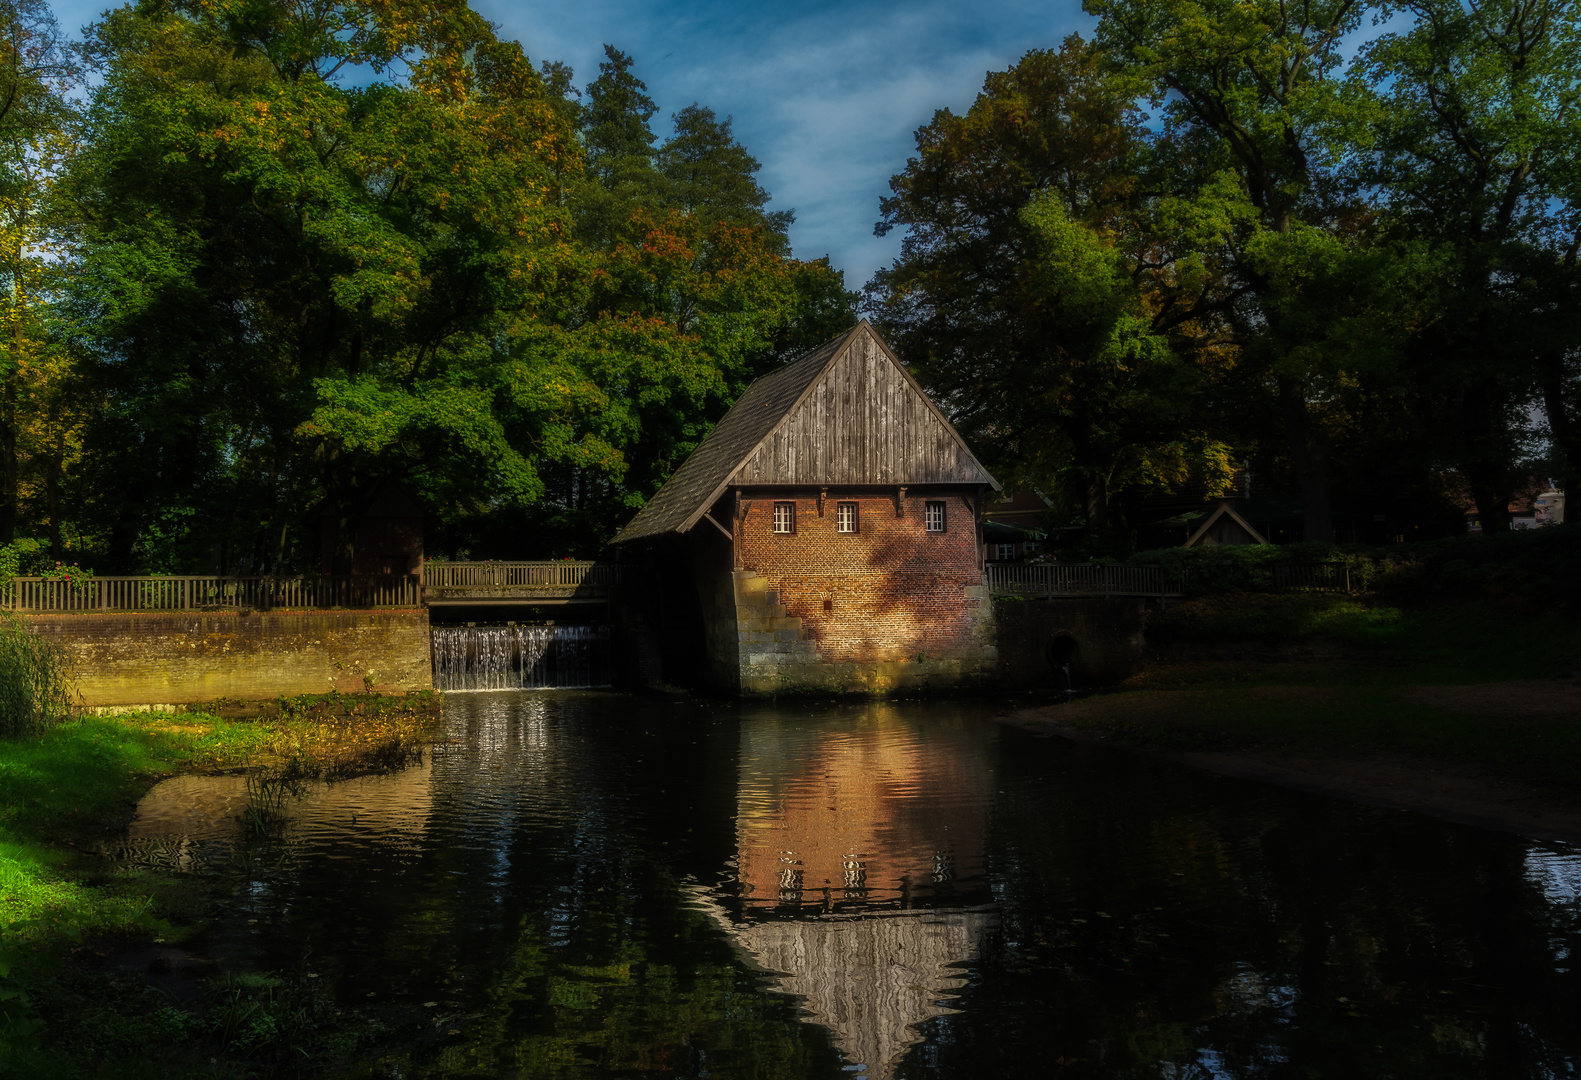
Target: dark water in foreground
<point>588,885</point>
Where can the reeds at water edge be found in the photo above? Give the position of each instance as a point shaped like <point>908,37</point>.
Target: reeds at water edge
<point>37,680</point>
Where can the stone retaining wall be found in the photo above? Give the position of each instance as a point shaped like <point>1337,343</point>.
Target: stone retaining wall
<point>1100,640</point>
<point>182,658</point>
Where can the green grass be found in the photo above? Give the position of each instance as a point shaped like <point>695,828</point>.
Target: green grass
<point>81,778</point>
<point>1325,675</point>
<point>67,787</point>
<point>75,779</point>
<point>1276,616</point>
<point>1447,643</point>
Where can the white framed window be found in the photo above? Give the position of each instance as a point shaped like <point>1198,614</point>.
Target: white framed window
<point>933,516</point>
<point>1005,552</point>
<point>785,518</point>
<point>845,518</point>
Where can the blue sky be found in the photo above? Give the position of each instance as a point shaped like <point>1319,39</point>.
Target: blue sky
<point>826,95</point>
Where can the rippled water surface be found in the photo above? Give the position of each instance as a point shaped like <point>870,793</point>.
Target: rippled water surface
<point>591,885</point>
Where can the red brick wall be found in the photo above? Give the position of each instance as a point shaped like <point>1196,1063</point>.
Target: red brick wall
<point>896,591</point>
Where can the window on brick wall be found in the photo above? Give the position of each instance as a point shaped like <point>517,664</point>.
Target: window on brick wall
<point>845,518</point>
<point>933,516</point>
<point>785,518</point>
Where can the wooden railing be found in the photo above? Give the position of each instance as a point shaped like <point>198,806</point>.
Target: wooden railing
<point>456,582</point>
<point>1079,579</point>
<point>200,592</point>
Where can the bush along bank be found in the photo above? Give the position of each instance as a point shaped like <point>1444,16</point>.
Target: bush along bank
<point>64,1009</point>
<point>1540,565</point>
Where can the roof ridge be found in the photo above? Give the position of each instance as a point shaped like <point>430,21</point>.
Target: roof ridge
<point>837,347</point>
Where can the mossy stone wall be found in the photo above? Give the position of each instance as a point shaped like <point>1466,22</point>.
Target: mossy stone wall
<point>180,658</point>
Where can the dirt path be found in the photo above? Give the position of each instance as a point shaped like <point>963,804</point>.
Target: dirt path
<point>1458,793</point>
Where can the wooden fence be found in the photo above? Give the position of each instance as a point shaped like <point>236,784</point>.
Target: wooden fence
<point>1093,579</point>
<point>1080,579</point>
<point>190,592</point>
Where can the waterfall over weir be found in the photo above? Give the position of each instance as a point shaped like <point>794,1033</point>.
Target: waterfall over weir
<point>520,657</point>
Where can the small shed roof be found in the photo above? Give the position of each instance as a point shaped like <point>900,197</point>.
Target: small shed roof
<point>811,422</point>
<point>1208,536</point>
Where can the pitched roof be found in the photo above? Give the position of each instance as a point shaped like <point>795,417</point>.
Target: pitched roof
<point>751,423</point>
<point>1224,510</point>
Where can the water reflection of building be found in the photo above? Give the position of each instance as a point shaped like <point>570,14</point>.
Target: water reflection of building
<point>884,813</point>
<point>859,861</point>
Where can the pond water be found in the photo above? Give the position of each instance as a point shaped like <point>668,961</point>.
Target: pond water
<point>591,885</point>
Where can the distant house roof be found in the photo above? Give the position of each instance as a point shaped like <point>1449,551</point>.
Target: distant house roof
<point>1022,504</point>
<point>1005,532</point>
<point>847,413</point>
<point>1225,526</point>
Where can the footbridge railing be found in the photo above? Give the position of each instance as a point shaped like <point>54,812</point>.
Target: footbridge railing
<point>208,592</point>
<point>1080,579</point>
<point>521,582</point>
<point>439,583</point>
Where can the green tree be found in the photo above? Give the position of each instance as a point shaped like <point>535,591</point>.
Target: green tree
<point>621,148</point>
<point>38,69</point>
<point>290,286</point>
<point>1044,296</point>
<point>1250,90</point>
<point>713,176</point>
<point>1476,155</point>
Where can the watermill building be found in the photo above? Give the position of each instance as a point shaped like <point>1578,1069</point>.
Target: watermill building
<point>828,533</point>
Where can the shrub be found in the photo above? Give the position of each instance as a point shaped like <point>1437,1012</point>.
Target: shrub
<point>1542,564</point>
<point>37,688</point>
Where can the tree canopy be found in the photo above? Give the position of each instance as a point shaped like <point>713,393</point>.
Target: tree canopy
<point>261,258</point>
<point>462,273</point>
<point>1253,232</point>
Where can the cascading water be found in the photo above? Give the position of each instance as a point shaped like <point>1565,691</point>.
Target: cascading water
<point>520,657</point>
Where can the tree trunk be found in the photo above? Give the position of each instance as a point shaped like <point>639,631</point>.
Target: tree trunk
<point>8,461</point>
<point>1317,499</point>
<point>1492,499</point>
<point>1562,426</point>
<point>1485,463</point>
<point>1097,503</point>
<point>52,494</point>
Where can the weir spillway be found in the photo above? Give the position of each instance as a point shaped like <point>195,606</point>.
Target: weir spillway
<point>521,657</point>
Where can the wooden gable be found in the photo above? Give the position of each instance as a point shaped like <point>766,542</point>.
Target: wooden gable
<point>845,414</point>
<point>1225,528</point>
<point>864,420</point>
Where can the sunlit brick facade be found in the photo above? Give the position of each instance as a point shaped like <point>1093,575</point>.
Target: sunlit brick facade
<point>892,591</point>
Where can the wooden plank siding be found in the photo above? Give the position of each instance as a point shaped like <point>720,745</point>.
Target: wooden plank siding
<point>845,414</point>
<point>862,423</point>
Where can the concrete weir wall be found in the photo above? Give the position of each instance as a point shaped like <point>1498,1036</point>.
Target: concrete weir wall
<point>180,658</point>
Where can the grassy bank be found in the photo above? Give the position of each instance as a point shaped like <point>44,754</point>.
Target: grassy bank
<point>66,789</point>
<point>71,784</point>
<point>1479,684</point>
